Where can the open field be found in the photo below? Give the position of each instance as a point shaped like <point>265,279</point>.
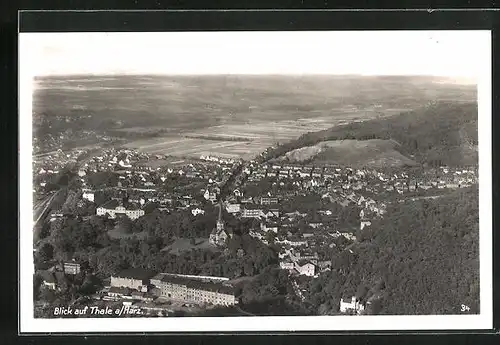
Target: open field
<point>232,116</point>
<point>194,148</point>
<point>172,103</point>
<point>371,153</point>
<point>246,140</point>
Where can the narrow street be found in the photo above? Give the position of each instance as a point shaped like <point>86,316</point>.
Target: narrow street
<point>226,188</point>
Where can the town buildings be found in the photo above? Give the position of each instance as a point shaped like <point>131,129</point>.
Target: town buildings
<point>308,230</point>
<point>142,285</point>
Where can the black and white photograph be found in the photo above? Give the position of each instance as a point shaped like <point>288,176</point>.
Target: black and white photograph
<point>255,181</point>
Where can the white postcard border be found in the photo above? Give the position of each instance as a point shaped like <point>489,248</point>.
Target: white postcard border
<point>28,324</point>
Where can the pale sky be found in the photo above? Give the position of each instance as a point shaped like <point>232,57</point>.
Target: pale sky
<point>440,53</point>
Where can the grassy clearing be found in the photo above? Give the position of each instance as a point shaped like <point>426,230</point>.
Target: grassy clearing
<point>194,148</point>
<point>372,153</point>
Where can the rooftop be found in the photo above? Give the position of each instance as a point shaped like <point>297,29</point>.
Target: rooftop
<point>200,285</point>
<point>135,273</point>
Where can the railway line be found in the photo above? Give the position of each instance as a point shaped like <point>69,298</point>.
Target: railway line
<point>40,209</point>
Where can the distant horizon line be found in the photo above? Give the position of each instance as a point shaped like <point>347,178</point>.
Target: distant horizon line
<point>463,78</point>
<point>250,74</point>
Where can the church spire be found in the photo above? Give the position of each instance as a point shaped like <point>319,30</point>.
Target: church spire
<point>220,223</point>
<point>220,212</point>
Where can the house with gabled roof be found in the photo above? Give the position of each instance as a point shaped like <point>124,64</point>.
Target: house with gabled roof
<point>306,268</point>
<point>272,213</point>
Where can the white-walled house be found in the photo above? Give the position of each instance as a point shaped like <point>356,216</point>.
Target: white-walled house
<point>88,195</point>
<point>364,223</point>
<point>197,211</point>
<point>353,305</point>
<point>233,208</point>
<point>308,269</point>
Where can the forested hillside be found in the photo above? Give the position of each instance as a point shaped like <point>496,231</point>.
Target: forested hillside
<point>422,258</point>
<point>442,133</point>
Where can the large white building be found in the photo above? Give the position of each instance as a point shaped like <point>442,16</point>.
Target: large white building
<point>132,278</point>
<point>252,213</point>
<point>113,208</point>
<point>194,290</point>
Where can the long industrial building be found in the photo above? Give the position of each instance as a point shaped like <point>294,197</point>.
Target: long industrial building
<point>194,290</point>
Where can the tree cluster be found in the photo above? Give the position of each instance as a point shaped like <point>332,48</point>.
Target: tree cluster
<point>421,258</point>
<point>271,293</point>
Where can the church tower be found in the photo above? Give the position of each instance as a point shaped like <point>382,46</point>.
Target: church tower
<point>219,236</point>
<point>220,223</point>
